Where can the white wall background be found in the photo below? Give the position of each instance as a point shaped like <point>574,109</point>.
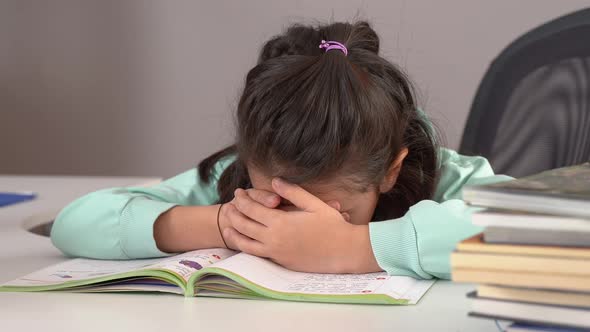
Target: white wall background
<point>148,87</point>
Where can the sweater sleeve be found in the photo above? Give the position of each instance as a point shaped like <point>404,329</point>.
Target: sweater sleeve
<point>118,223</point>
<point>419,243</point>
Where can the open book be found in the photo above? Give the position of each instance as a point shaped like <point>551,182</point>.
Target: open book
<point>221,273</point>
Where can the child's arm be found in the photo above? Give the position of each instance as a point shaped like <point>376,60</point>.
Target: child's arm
<point>118,223</point>
<point>419,243</point>
<point>185,228</point>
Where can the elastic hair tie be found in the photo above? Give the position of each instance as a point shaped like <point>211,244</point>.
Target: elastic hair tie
<point>334,45</point>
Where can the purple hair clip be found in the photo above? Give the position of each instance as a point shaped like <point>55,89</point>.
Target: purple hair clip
<point>334,45</point>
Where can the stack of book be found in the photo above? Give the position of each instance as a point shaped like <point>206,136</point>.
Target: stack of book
<point>532,261</point>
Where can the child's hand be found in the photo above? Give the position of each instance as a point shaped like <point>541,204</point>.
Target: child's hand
<point>316,238</point>
<point>229,214</point>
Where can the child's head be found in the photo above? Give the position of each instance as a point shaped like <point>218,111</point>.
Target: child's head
<point>344,127</point>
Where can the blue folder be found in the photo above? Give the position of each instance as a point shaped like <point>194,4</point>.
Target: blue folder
<point>13,198</point>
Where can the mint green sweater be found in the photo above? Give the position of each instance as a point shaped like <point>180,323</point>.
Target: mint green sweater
<point>118,223</point>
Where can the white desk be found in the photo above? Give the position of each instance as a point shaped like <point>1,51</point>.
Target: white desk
<point>443,308</point>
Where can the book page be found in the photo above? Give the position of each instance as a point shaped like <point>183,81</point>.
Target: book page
<point>131,285</point>
<point>78,269</point>
<point>188,263</point>
<point>267,274</point>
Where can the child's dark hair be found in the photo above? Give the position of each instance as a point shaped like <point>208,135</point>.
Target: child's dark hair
<point>308,115</point>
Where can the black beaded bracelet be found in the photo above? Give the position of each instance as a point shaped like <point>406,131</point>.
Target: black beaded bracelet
<point>219,227</point>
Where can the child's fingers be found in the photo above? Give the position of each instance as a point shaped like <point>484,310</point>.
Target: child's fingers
<point>297,195</point>
<point>253,209</point>
<point>244,243</point>
<point>245,225</point>
<point>266,198</point>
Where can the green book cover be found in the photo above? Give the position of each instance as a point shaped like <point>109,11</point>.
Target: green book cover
<point>220,273</point>
<point>566,182</point>
<point>560,191</point>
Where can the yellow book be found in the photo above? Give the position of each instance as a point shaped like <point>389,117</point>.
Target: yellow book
<point>545,267</point>
<point>476,244</point>
<point>523,279</point>
<point>520,263</point>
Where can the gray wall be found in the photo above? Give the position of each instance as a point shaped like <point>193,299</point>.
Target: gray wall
<point>147,87</point>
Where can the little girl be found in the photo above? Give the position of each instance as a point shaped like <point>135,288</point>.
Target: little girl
<point>334,169</point>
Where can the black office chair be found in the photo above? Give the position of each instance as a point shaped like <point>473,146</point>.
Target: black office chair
<point>532,109</point>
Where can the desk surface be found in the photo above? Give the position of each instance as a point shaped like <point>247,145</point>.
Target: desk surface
<point>443,308</point>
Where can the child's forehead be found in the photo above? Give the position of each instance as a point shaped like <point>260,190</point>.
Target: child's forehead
<point>325,190</point>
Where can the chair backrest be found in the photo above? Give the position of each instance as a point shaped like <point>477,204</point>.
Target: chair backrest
<point>532,109</point>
